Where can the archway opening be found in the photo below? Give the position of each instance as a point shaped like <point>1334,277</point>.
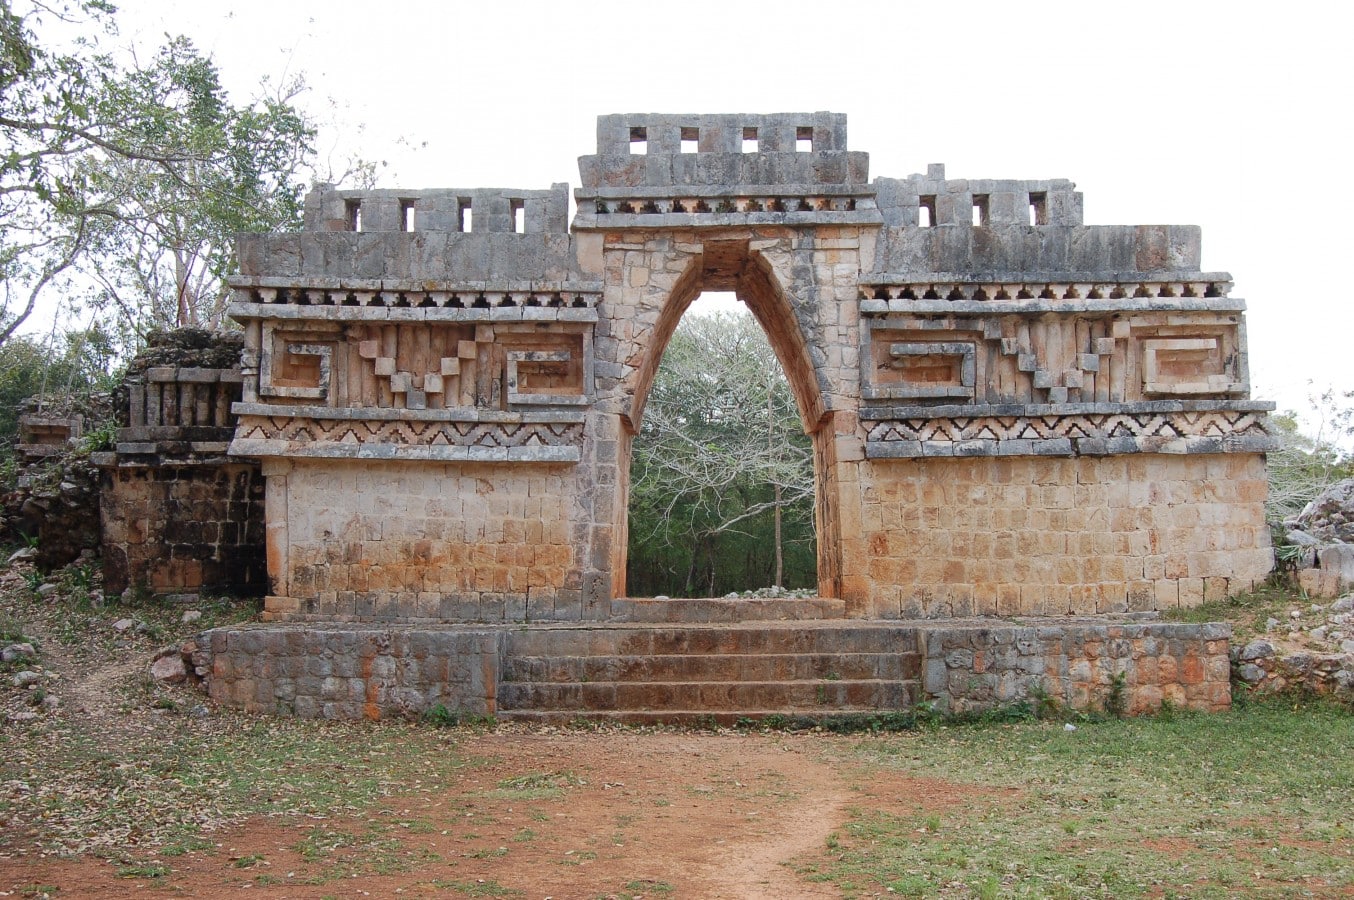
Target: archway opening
<point>788,324</point>
<point>721,471</point>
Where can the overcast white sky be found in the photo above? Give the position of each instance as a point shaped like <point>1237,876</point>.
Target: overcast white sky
<point>1233,116</point>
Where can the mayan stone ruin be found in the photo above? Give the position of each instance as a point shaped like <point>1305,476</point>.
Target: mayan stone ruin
<point>1014,414</point>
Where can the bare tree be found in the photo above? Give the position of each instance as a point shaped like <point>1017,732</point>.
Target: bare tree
<point>721,453</point>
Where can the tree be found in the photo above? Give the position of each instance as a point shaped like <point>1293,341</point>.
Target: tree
<point>1306,464</point>
<point>721,469</point>
<point>67,366</point>
<point>133,176</point>
<point>47,122</point>
<point>171,243</point>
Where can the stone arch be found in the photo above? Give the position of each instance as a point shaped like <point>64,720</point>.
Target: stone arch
<point>723,264</point>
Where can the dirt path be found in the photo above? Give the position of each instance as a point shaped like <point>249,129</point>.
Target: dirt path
<point>546,814</point>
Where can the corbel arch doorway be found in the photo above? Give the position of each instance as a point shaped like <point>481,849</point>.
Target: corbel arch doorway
<point>730,265</point>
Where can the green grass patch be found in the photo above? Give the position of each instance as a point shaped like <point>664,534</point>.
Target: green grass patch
<point>536,786</point>
<point>479,888</point>
<point>1259,801</point>
<point>1247,612</point>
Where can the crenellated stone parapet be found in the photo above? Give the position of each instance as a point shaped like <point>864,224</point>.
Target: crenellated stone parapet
<point>711,171</point>
<point>467,210</point>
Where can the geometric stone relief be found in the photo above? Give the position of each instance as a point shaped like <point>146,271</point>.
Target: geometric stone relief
<point>901,296</point>
<point>445,300</point>
<point>422,366</point>
<point>537,377</point>
<point>300,371</point>
<point>1150,430</point>
<point>1110,357</point>
<point>925,369</point>
<point>1193,365</point>
<point>411,439</point>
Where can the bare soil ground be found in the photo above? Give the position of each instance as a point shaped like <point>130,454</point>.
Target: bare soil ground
<point>563,814</point>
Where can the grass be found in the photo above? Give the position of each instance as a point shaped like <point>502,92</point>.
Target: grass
<point>1256,802</point>
<point>478,888</point>
<point>536,786</point>
<point>204,773</point>
<point>1259,801</point>
<point>1247,612</point>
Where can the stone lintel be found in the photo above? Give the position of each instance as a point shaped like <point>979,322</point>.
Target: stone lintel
<point>431,315</point>
<point>368,414</point>
<point>1040,277</point>
<point>401,452</point>
<point>320,282</point>
<point>1069,447</point>
<point>591,221</point>
<point>1033,410</point>
<point>717,191</point>
<point>1041,307</point>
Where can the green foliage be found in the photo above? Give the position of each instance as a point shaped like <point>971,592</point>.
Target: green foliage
<point>69,366</point>
<point>439,716</point>
<point>163,257</point>
<point>720,448</point>
<point>1116,701</point>
<point>133,176</point>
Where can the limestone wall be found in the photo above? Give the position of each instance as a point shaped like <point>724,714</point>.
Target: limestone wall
<point>1075,665</point>
<point>350,540</point>
<point>179,515</point>
<point>184,529</point>
<point>698,674</point>
<point>1051,537</point>
<point>349,672</point>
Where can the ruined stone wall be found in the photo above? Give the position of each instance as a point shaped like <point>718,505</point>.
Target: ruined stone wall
<point>179,516</point>
<point>349,672</point>
<point>699,674</point>
<point>184,529</point>
<point>1076,663</point>
<point>417,541</point>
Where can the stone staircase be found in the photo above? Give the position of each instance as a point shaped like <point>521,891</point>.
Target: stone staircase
<point>721,610</point>
<point>659,673</point>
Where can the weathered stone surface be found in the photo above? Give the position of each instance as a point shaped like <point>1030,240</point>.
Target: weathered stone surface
<point>169,669</point>
<point>179,516</point>
<point>26,678</point>
<point>669,673</point>
<point>1330,517</point>
<point>1256,650</point>
<point>16,652</point>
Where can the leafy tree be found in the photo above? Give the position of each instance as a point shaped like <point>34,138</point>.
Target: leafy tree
<point>721,472</point>
<point>70,365</point>
<point>132,176</point>
<point>164,255</point>
<point>48,123</point>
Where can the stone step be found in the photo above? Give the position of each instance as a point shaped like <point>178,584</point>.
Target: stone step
<point>704,696</point>
<point>746,638</point>
<point>715,667</point>
<point>721,610</point>
<point>686,716</point>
